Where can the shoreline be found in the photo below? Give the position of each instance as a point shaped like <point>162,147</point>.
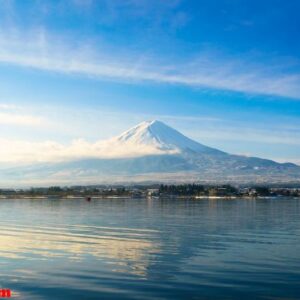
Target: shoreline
<point>71,197</point>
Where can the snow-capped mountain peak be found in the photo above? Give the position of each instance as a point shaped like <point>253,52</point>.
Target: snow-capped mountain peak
<point>159,136</point>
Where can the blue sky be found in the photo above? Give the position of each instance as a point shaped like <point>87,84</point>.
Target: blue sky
<point>226,73</point>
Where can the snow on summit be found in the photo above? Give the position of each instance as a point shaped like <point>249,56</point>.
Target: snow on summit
<point>160,138</point>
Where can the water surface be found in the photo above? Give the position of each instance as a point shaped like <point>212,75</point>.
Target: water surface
<point>150,249</point>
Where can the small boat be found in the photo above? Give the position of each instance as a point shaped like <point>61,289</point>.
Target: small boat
<point>88,198</point>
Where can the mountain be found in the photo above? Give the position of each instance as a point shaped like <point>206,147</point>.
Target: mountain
<point>161,138</point>
<point>153,151</point>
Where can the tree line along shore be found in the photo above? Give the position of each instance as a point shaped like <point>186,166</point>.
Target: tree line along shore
<point>162,190</point>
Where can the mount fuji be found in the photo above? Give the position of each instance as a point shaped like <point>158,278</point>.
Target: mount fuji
<point>155,137</point>
<point>154,152</point>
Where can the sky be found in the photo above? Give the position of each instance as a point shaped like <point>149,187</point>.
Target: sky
<point>223,72</point>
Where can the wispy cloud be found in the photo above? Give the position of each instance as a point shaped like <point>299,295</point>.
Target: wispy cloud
<point>19,119</point>
<point>290,160</point>
<point>6,106</point>
<point>21,151</point>
<point>42,52</point>
<point>225,132</point>
<point>11,114</point>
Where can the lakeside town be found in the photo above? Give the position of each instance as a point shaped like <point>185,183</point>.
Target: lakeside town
<point>141,191</point>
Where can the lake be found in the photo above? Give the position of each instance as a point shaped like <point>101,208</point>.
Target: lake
<point>150,248</point>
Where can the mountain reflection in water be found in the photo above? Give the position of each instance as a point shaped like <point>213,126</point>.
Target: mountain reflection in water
<point>129,248</point>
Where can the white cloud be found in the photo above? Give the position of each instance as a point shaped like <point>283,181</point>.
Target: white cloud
<point>12,114</point>
<point>241,133</point>
<point>7,118</point>
<point>9,106</point>
<point>38,50</point>
<point>20,151</point>
<point>288,160</point>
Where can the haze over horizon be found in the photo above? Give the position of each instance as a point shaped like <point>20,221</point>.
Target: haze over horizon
<point>226,74</point>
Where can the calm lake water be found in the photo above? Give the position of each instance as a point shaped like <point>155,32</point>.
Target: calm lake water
<point>150,249</point>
